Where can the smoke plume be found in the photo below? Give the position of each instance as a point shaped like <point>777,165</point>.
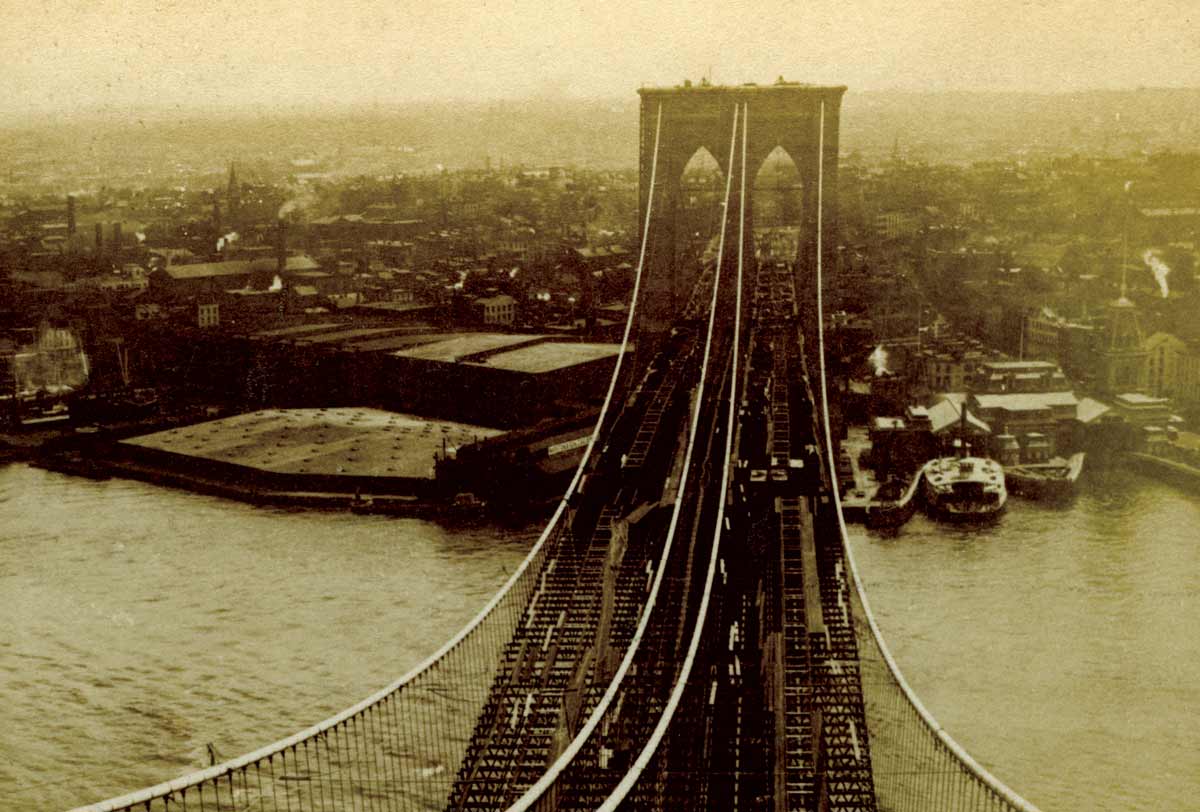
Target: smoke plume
<point>1160,269</point>
<point>298,203</point>
<point>879,359</point>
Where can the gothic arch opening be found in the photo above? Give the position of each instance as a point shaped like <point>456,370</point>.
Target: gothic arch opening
<point>777,200</point>
<point>701,191</point>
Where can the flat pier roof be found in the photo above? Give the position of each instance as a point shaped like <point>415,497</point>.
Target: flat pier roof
<point>462,345</point>
<point>550,356</point>
<point>336,441</point>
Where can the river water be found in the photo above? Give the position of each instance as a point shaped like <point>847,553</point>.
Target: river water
<point>138,624</point>
<point>1060,647</point>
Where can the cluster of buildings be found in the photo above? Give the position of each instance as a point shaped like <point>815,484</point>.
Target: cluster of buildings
<point>1012,410</point>
<point>1027,410</point>
<point>1158,364</point>
<point>182,273</point>
<point>1071,285</point>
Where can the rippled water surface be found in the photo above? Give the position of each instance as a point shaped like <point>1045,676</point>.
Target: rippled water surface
<point>1062,646</point>
<point>139,624</point>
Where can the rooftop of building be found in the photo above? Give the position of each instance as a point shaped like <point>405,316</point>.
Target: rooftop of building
<point>499,299</point>
<point>1161,337</point>
<point>396,307</point>
<point>1139,399</point>
<point>295,329</point>
<point>597,251</point>
<point>234,267</point>
<point>1089,410</point>
<point>1019,365</point>
<point>347,335</point>
<point>461,346</point>
<point>171,254</point>
<point>292,264</point>
<point>947,412</point>
<point>205,270</point>
<point>550,356</point>
<point>336,441</point>
<point>1026,401</point>
<point>391,343</point>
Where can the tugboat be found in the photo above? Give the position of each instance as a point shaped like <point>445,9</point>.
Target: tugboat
<point>1051,481</point>
<point>963,487</point>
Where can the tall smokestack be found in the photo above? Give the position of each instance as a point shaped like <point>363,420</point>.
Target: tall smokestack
<point>281,247</point>
<point>99,238</point>
<point>217,227</point>
<point>117,241</point>
<point>71,215</point>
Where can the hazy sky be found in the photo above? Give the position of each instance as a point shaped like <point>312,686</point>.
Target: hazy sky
<point>151,53</point>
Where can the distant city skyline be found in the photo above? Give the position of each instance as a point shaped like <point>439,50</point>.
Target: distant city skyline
<point>61,56</point>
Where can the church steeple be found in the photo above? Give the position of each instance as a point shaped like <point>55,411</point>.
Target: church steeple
<point>1122,355</point>
<point>233,195</point>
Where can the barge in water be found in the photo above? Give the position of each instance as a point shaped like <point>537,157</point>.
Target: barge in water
<point>1051,481</point>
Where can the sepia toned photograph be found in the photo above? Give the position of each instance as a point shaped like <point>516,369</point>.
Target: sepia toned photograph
<point>530,406</point>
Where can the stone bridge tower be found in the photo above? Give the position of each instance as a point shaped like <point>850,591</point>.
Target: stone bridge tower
<point>784,114</point>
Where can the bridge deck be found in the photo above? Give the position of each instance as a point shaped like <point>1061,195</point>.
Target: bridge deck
<point>822,756</point>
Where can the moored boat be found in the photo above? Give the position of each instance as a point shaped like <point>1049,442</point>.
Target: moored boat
<point>893,504</point>
<point>464,506</point>
<point>1053,480</point>
<point>964,488</point>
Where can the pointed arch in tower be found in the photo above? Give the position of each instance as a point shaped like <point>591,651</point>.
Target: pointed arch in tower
<point>776,200</point>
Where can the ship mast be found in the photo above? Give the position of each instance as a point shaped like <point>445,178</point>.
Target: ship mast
<point>962,429</point>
